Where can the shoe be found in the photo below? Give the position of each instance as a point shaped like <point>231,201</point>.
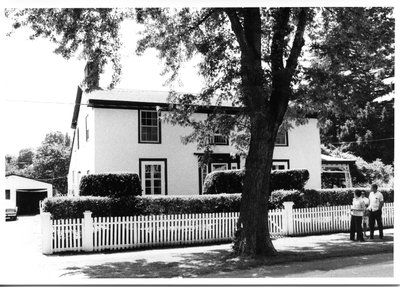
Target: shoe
<point>371,237</point>
<point>361,240</point>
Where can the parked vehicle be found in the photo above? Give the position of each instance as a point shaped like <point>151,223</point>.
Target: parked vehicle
<point>11,213</point>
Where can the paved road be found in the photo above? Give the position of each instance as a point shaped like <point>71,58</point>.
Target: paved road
<point>380,265</point>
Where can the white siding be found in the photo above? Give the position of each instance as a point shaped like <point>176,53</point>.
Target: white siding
<point>118,149</point>
<point>82,159</point>
<point>114,147</point>
<point>303,151</point>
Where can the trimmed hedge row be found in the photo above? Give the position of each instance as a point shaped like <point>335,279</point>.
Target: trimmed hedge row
<point>110,184</point>
<point>323,197</point>
<point>73,207</point>
<point>231,181</point>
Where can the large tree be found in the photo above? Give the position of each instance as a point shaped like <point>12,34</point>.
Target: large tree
<point>249,57</point>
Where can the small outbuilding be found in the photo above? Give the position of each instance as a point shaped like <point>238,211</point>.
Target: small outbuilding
<point>25,193</point>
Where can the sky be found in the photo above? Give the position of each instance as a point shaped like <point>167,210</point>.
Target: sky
<point>40,86</point>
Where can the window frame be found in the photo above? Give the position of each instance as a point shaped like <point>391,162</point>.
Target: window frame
<point>286,140</point>
<point>285,161</point>
<point>226,142</point>
<point>140,127</point>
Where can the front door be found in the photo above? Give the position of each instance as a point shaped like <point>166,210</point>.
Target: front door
<point>153,177</point>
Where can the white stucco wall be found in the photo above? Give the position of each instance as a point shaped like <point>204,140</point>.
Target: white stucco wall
<point>82,159</point>
<point>113,147</point>
<point>303,151</point>
<point>118,150</point>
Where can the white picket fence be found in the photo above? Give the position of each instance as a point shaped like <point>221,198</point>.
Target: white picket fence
<point>110,233</point>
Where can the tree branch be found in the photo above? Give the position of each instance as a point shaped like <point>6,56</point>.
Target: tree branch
<point>237,28</point>
<point>201,21</point>
<point>298,42</point>
<point>278,40</point>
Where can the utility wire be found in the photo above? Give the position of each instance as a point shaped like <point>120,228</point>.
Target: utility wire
<point>366,141</point>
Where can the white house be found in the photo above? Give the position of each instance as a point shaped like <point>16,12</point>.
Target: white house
<point>118,131</point>
<point>25,193</point>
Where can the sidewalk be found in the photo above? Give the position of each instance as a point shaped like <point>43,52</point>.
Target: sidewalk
<point>184,262</point>
<point>204,261</point>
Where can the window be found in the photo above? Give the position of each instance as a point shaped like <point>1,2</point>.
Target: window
<point>8,194</point>
<point>77,138</point>
<point>149,127</point>
<point>219,139</point>
<point>219,166</point>
<point>281,139</point>
<point>87,128</point>
<point>153,176</point>
<point>280,164</point>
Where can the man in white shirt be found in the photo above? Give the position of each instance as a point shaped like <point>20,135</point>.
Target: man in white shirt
<point>375,206</point>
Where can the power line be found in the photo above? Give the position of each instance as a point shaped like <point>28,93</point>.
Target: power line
<point>365,141</point>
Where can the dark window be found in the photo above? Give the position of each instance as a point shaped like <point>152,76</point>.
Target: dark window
<point>8,194</point>
<point>281,138</point>
<point>149,127</point>
<point>77,138</point>
<point>87,128</point>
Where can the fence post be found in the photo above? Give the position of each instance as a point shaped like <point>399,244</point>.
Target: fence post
<point>87,231</point>
<point>288,217</point>
<point>47,233</point>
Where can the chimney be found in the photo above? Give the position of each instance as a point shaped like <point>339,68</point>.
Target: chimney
<point>92,76</point>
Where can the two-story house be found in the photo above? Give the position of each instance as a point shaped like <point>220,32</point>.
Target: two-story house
<point>119,131</point>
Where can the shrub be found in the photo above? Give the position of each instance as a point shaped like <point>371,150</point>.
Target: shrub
<point>111,185</point>
<point>73,207</point>
<point>231,181</point>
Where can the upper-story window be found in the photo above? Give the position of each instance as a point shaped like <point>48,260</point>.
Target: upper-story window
<point>149,127</point>
<point>219,139</point>
<point>281,139</point>
<point>8,194</point>
<point>77,138</point>
<point>87,128</point>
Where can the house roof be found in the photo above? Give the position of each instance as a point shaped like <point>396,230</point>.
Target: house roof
<point>22,182</point>
<point>330,159</point>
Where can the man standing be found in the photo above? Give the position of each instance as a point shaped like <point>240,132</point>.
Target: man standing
<point>375,206</point>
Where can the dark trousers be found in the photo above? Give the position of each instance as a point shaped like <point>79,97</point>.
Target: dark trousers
<point>355,227</point>
<point>375,216</point>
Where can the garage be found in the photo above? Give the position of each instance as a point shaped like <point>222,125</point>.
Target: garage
<point>25,194</point>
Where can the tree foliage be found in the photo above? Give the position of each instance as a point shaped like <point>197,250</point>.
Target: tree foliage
<point>48,163</point>
<point>90,34</point>
<point>352,53</point>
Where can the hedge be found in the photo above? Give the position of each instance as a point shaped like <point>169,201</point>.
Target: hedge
<point>231,181</point>
<point>323,197</point>
<point>111,184</point>
<point>73,207</point>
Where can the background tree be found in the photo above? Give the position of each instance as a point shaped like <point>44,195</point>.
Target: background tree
<point>51,161</point>
<point>249,57</point>
<point>25,157</point>
<point>48,163</point>
<point>352,54</point>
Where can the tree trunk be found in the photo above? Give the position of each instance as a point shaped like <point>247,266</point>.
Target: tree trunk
<point>253,236</point>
